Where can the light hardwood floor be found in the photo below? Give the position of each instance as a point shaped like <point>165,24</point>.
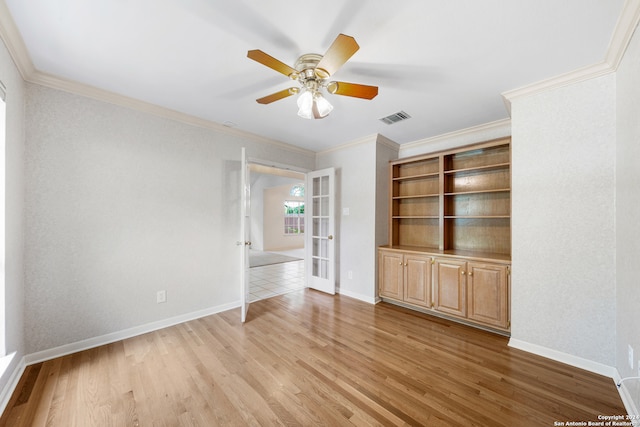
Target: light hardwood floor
<point>306,358</point>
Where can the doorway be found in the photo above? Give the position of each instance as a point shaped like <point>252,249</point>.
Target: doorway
<point>276,254</point>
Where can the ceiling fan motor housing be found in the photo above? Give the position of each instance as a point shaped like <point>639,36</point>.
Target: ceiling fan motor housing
<point>307,64</point>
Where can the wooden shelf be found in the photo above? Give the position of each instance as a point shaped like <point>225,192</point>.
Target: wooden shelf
<point>454,200</point>
<point>460,193</point>
<point>479,168</point>
<point>417,196</point>
<point>482,156</point>
<point>477,216</point>
<point>416,168</point>
<point>414,177</point>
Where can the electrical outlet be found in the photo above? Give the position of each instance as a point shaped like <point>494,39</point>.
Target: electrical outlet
<point>630,356</point>
<point>161,297</point>
<point>350,274</point>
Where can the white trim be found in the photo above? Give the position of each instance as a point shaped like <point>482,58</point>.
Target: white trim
<point>502,127</point>
<point>20,55</point>
<point>357,296</point>
<point>387,142</point>
<point>378,138</point>
<point>627,400</point>
<point>363,140</point>
<point>14,42</point>
<point>88,91</point>
<point>275,165</point>
<point>9,388</point>
<point>569,359</point>
<point>622,34</point>
<point>576,76</point>
<point>89,343</point>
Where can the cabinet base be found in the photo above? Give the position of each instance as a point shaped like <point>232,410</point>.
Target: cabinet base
<point>445,316</point>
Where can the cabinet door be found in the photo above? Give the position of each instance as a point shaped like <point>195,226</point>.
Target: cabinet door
<point>417,280</point>
<point>450,287</point>
<point>488,294</point>
<point>391,274</point>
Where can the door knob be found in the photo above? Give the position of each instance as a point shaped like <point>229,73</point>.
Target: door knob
<point>330,237</point>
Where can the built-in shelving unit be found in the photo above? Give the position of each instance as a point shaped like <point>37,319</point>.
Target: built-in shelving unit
<point>453,207</point>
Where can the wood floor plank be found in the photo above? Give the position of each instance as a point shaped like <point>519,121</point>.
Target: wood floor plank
<point>307,358</point>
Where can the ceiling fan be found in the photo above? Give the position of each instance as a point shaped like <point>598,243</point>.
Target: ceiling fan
<point>313,71</point>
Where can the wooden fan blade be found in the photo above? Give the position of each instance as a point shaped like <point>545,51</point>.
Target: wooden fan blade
<point>271,62</point>
<point>352,89</point>
<point>278,95</point>
<point>342,48</point>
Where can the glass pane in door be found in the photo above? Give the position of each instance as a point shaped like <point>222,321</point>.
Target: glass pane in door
<point>320,227</point>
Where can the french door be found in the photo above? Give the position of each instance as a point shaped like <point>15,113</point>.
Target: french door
<point>319,230</point>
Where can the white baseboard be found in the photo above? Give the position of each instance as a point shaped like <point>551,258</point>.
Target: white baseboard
<point>7,391</point>
<point>75,347</point>
<point>627,400</point>
<point>364,298</point>
<point>578,362</point>
<point>588,365</point>
<point>63,350</point>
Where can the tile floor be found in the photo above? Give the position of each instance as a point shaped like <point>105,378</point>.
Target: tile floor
<point>275,279</point>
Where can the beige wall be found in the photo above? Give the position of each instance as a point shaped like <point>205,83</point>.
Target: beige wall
<point>274,237</point>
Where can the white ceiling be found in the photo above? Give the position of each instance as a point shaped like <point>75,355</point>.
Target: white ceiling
<point>445,63</point>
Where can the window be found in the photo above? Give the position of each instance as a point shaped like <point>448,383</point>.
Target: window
<point>293,217</point>
<point>297,190</point>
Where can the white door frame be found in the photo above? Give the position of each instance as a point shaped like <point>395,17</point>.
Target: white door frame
<point>245,234</point>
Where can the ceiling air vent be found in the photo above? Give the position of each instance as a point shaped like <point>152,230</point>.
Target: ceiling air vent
<point>395,118</point>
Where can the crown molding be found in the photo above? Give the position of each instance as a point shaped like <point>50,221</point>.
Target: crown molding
<point>387,142</point>
<point>576,76</point>
<point>499,127</point>
<point>88,91</point>
<point>363,140</point>
<point>20,55</point>
<point>622,33</point>
<point>377,138</point>
<point>14,43</point>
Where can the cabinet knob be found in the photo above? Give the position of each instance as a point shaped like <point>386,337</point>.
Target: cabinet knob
<point>405,264</point>
<point>400,262</point>
<point>463,273</point>
<point>471,273</point>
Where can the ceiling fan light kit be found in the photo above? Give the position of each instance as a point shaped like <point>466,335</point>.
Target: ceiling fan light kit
<point>312,72</point>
